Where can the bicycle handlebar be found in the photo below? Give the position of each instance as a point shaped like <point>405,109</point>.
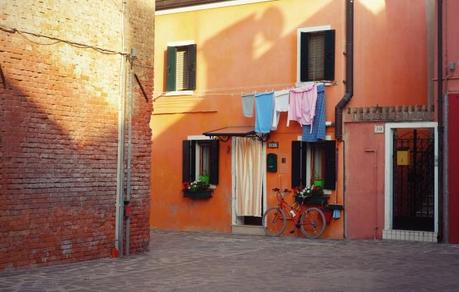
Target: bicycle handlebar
<point>284,191</point>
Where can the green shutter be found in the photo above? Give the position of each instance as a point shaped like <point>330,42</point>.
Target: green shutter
<point>191,67</point>
<point>171,68</point>
<point>189,161</point>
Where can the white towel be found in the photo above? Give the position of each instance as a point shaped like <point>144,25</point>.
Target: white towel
<point>280,105</point>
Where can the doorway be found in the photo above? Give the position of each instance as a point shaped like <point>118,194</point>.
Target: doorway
<point>249,181</point>
<point>411,179</point>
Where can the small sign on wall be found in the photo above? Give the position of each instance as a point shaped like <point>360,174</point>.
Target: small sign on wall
<point>273,145</point>
<point>379,129</point>
<point>403,157</point>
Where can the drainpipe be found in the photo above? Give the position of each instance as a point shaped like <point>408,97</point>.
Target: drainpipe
<point>440,116</point>
<point>119,205</point>
<point>129,153</point>
<point>349,83</point>
<point>349,90</point>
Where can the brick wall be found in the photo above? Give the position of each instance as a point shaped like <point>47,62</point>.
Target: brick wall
<point>59,107</point>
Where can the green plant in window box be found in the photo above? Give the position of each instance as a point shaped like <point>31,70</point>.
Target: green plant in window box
<point>198,189</point>
<point>318,181</point>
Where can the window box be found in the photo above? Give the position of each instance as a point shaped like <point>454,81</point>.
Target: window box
<point>197,195</point>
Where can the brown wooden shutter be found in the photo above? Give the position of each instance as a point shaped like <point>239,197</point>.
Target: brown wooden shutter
<point>299,164</point>
<point>214,157</point>
<point>329,62</point>
<point>304,53</point>
<point>330,165</point>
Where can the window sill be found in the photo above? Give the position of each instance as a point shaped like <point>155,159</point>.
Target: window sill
<point>179,93</point>
<point>326,83</point>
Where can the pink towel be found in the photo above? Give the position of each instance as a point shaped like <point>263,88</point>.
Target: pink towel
<point>302,106</point>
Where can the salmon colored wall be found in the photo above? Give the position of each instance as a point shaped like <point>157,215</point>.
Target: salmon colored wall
<point>364,199</point>
<point>390,53</point>
<point>251,48</point>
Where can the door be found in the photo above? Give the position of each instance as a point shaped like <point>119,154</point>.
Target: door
<point>413,179</point>
<point>249,177</point>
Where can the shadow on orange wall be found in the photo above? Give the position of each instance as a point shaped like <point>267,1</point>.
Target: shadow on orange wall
<point>254,55</point>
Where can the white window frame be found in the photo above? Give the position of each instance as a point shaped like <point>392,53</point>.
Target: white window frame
<point>309,161</point>
<point>180,44</point>
<point>198,153</point>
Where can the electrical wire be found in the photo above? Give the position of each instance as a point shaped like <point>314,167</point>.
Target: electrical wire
<point>57,40</point>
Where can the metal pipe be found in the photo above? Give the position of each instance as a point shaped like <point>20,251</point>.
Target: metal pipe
<point>129,152</point>
<point>119,205</point>
<point>349,90</point>
<point>440,115</point>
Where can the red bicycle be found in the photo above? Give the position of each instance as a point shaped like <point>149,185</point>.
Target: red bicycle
<point>310,220</point>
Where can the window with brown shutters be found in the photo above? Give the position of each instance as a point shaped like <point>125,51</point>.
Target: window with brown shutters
<point>200,158</point>
<point>314,161</point>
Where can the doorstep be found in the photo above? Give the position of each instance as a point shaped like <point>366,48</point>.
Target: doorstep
<point>410,235</point>
<point>248,229</point>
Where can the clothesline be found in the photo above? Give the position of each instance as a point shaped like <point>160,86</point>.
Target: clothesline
<point>304,104</point>
<point>236,91</point>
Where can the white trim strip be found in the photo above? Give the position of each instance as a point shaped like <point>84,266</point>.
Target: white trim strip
<point>181,43</point>
<point>208,6</point>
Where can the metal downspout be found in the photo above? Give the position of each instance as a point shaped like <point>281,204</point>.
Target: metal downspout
<point>349,91</point>
<point>119,205</point>
<point>349,78</point>
<point>129,152</point>
<point>440,116</point>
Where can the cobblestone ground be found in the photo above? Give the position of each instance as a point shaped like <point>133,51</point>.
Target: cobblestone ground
<point>215,262</point>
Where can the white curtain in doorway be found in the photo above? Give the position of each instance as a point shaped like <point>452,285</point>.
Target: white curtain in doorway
<point>249,168</point>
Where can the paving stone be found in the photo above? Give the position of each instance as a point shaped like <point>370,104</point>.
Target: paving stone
<point>185,261</point>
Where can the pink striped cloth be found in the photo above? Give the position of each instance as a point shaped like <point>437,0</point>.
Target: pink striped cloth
<point>302,106</point>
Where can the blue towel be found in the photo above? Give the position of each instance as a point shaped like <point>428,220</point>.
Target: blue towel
<point>264,110</point>
<point>318,125</point>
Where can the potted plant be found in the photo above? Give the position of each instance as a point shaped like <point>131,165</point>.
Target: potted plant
<point>318,181</point>
<point>198,189</point>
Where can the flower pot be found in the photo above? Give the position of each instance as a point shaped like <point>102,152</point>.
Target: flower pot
<point>197,195</point>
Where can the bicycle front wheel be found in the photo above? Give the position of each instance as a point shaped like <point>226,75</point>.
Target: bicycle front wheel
<point>274,221</point>
<point>312,223</point>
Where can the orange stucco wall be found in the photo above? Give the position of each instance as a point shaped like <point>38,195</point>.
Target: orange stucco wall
<point>250,48</point>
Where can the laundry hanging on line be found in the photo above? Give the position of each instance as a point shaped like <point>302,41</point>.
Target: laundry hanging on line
<point>305,105</point>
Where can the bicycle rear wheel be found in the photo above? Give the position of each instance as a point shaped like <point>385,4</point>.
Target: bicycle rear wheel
<point>312,223</point>
<point>274,221</point>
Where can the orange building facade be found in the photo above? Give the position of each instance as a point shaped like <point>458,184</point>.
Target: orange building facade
<point>246,47</point>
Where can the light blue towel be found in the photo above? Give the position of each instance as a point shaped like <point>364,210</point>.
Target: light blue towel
<point>318,125</point>
<point>264,110</point>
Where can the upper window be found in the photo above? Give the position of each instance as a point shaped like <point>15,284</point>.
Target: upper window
<point>181,67</point>
<point>200,158</point>
<point>314,161</point>
<point>316,49</point>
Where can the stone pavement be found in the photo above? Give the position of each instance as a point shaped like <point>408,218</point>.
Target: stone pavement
<point>185,261</point>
